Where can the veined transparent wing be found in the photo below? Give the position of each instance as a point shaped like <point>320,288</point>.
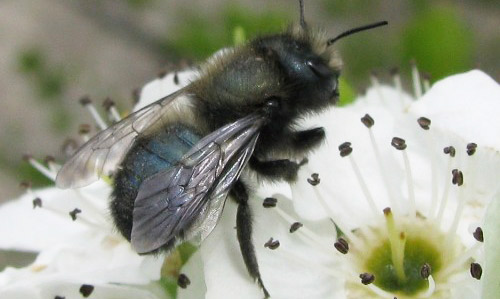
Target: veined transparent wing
<point>186,200</point>
<point>102,154</point>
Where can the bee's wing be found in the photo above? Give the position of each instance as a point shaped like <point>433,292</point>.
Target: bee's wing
<point>187,199</point>
<point>102,154</point>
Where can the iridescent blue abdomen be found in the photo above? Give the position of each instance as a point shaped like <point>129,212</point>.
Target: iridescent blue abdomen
<point>148,156</point>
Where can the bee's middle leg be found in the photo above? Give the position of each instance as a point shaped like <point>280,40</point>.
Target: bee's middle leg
<point>244,232</point>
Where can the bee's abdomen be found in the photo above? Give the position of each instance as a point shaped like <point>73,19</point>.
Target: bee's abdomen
<point>148,156</point>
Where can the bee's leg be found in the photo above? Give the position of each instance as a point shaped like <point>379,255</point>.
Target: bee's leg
<point>244,231</point>
<point>276,169</point>
<point>303,141</point>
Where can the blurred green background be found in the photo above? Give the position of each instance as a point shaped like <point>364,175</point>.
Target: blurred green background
<point>53,52</point>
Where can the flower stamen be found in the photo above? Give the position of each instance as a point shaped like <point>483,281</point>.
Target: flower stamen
<point>450,150</point>
<point>369,122</point>
<point>425,123</point>
<point>346,150</point>
<point>41,168</point>
<point>376,85</point>
<point>110,107</point>
<point>427,81</point>
<point>400,144</point>
<point>397,240</point>
<point>396,78</point>
<point>304,232</point>
<point>86,102</point>
<point>417,86</point>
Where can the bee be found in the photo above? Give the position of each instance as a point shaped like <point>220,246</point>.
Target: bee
<point>175,162</point>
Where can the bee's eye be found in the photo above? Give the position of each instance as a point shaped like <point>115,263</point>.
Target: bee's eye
<point>319,69</point>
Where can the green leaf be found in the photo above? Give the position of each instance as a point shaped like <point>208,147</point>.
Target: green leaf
<point>30,60</point>
<point>340,8</point>
<point>491,267</point>
<point>239,36</point>
<point>439,40</point>
<point>199,37</point>
<point>172,266</point>
<point>347,93</point>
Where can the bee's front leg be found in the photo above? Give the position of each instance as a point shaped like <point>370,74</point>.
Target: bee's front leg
<point>303,141</point>
<point>283,169</point>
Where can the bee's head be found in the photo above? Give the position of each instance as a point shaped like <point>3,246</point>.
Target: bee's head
<point>308,63</point>
<point>309,67</point>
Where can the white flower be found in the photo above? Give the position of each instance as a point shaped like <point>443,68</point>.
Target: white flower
<point>80,253</point>
<point>79,250</point>
<point>428,243</point>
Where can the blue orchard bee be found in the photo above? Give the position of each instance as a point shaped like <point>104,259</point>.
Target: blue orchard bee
<point>175,161</point>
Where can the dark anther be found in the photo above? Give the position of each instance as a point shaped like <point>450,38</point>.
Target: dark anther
<point>69,147</point>
<point>162,74</point>
<point>272,244</point>
<point>424,123</point>
<point>367,278</point>
<point>457,177</point>
<point>394,71</point>
<point>425,271</point>
<point>37,203</point>
<point>108,103</point>
<point>85,100</point>
<point>86,290</point>
<point>476,270</point>
<point>345,149</point>
<point>471,148</point>
<point>450,150</point>
<point>295,226</point>
<point>387,211</point>
<point>478,234</point>
<point>136,95</point>
<point>25,184</point>
<point>398,143</point>
<point>183,281</point>
<point>269,202</point>
<point>346,152</point>
<point>342,246</point>
<point>426,76</point>
<point>368,121</point>
<point>74,213</point>
<point>344,145</point>
<point>314,179</point>
<point>49,159</point>
<point>59,297</point>
<point>176,78</point>
<point>84,129</point>
<point>27,157</point>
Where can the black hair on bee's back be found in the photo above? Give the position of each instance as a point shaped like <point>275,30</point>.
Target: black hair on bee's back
<point>295,67</point>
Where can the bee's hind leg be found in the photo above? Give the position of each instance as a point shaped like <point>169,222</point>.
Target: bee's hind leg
<point>244,231</point>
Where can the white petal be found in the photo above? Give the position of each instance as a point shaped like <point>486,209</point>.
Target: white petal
<point>25,228</point>
<point>294,270</point>
<point>339,184</point>
<point>161,87</point>
<point>225,273</point>
<point>194,270</point>
<point>50,286</point>
<point>466,105</point>
<point>491,267</point>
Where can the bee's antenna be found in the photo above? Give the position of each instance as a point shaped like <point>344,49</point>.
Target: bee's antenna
<point>355,30</point>
<point>302,20</point>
